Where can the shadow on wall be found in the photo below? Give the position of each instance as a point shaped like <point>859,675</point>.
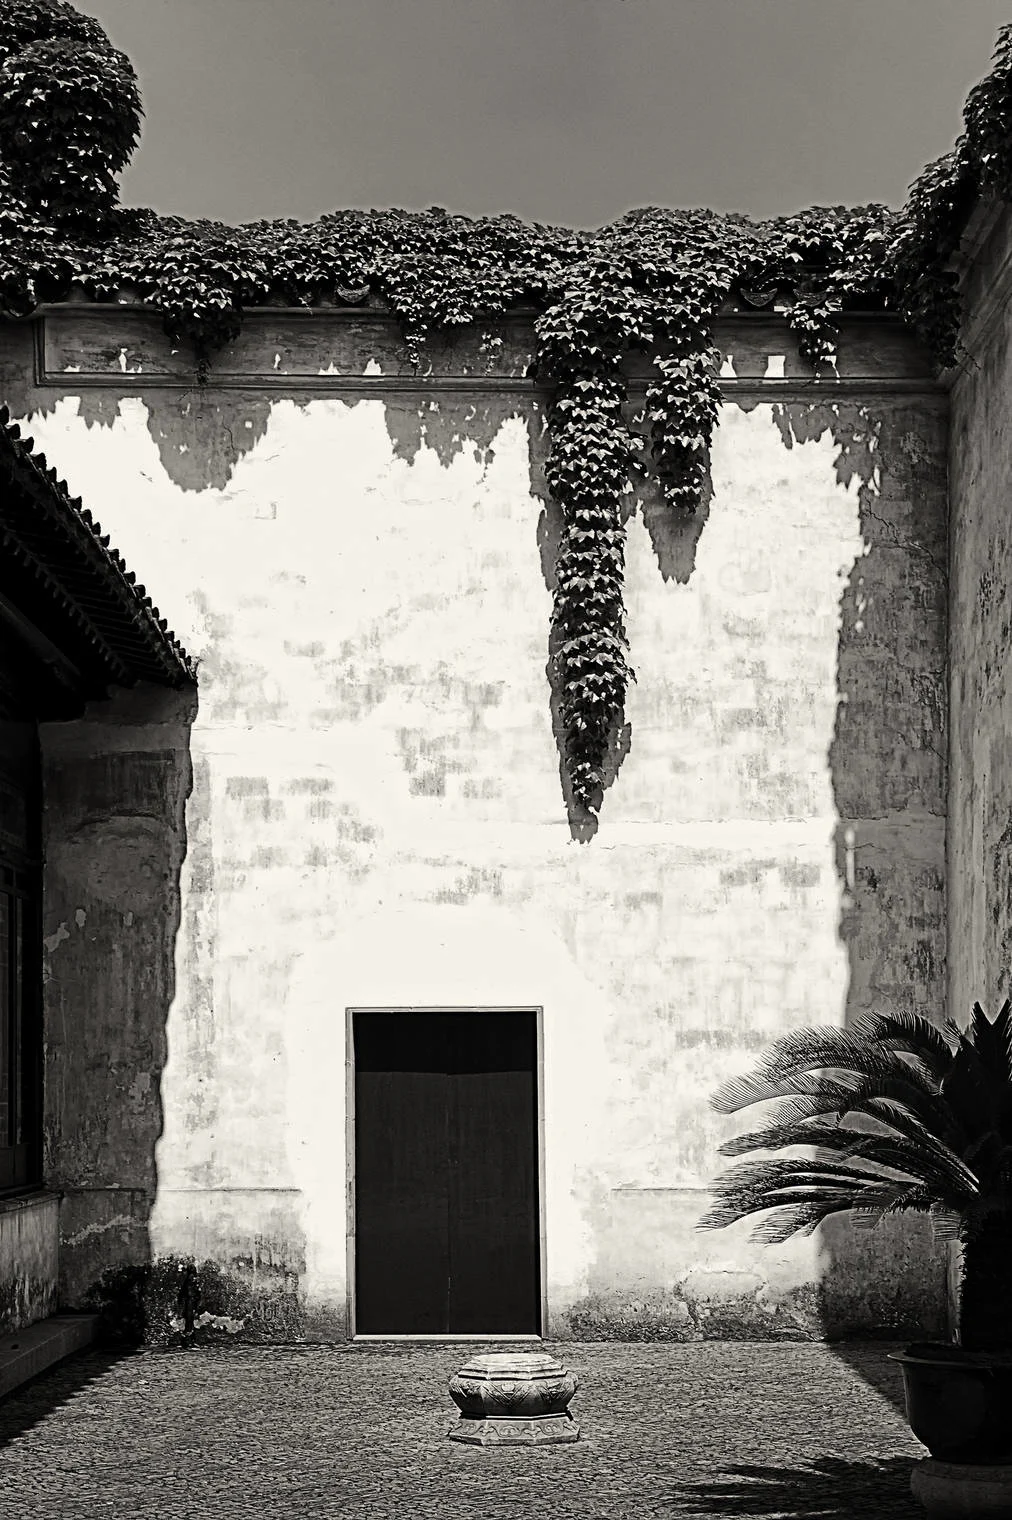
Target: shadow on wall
<point>674,533</point>
<point>115,788</point>
<point>888,767</point>
<point>202,433</point>
<point>450,424</point>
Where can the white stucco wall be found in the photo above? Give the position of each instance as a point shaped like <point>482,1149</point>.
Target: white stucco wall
<point>376,816</point>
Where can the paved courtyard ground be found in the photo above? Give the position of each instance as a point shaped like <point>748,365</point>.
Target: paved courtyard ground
<point>293,1433</point>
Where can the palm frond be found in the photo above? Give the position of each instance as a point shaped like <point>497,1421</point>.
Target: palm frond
<point>794,1219</point>
<point>800,1218</point>
<point>932,1164</point>
<point>932,1044</point>
<point>895,1200</point>
<point>944,1223</point>
<point>837,1092</point>
<point>777,1137</point>
<point>829,1093</point>
<point>818,1050</point>
<point>803,1218</point>
<point>753,1186</point>
<point>836,1102</point>
<point>895,1113</point>
<point>884,1108</point>
<point>923,1105</point>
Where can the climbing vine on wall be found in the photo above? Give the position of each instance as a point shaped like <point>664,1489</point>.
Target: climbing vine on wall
<point>653,281</point>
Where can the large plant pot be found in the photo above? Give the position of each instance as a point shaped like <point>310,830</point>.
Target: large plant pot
<point>959,1403</point>
<point>960,1491</point>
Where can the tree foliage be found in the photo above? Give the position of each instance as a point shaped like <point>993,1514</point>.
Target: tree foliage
<point>69,113</point>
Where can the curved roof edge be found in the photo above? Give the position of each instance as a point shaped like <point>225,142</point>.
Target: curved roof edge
<point>62,574</point>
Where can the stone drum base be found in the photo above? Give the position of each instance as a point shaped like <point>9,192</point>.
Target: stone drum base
<point>514,1398</point>
<point>504,1430</point>
<point>958,1491</point>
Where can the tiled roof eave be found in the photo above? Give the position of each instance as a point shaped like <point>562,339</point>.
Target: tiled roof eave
<point>83,573</point>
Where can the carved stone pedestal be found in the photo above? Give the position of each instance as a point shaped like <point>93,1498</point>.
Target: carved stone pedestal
<point>513,1398</point>
<point>959,1491</point>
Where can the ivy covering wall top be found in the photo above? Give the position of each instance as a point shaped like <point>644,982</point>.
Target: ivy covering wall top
<point>654,280</point>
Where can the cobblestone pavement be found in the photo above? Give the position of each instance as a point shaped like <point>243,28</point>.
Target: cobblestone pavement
<point>294,1433</point>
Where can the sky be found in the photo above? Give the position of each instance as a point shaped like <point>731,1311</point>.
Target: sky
<point>561,111</point>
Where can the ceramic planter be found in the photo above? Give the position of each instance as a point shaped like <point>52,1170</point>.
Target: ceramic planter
<point>959,1403</point>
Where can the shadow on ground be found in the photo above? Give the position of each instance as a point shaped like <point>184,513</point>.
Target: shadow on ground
<point>32,1402</point>
<point>830,1488</point>
<point>870,1361</point>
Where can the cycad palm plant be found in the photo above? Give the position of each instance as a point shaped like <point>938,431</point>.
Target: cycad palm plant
<point>897,1113</point>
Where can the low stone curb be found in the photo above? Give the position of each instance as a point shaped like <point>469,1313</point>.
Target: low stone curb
<point>26,1353</point>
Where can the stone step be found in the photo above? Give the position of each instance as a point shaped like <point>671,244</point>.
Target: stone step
<point>26,1353</point>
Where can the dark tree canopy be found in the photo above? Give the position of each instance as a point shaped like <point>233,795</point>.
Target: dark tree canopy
<point>69,111</point>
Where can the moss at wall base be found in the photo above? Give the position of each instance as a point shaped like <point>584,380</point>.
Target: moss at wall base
<point>804,1313</point>
<point>176,1301</point>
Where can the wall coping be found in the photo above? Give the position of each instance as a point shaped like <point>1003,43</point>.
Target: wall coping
<point>75,350</point>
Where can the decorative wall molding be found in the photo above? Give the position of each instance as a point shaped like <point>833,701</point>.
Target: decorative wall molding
<point>358,352</point>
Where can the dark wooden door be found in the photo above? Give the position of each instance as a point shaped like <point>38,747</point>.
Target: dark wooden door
<point>446,1195</point>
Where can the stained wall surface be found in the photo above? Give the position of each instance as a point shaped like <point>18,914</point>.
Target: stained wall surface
<point>360,558</point>
<point>29,1260</point>
<point>980,861</point>
<point>115,788</point>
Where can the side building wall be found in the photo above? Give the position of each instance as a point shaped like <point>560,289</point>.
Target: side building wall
<point>980,858</point>
<point>361,560</point>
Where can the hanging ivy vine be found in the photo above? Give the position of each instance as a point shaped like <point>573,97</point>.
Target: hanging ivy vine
<point>653,281</point>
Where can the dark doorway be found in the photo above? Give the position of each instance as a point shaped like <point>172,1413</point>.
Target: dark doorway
<point>446,1173</point>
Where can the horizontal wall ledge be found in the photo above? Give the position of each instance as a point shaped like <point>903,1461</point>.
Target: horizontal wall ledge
<point>361,386</point>
<point>363,352</point>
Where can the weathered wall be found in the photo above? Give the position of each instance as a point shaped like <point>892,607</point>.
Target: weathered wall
<point>980,799</point>
<point>29,1259</point>
<point>361,559</point>
<point>114,789</point>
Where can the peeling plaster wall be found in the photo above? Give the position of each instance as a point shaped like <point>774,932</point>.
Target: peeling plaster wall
<point>376,816</point>
<point>980,862</point>
<point>114,785</point>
